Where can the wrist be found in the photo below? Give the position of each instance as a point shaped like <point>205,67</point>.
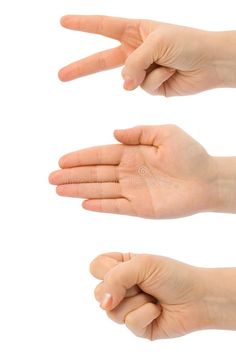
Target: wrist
<point>225,184</point>
<point>222,49</point>
<point>219,298</point>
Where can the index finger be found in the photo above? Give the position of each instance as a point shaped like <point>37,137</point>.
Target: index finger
<point>100,155</point>
<point>112,27</point>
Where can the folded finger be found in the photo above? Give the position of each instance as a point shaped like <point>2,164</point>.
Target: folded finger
<point>101,265</point>
<point>128,305</point>
<point>105,262</point>
<point>140,320</point>
<point>154,80</point>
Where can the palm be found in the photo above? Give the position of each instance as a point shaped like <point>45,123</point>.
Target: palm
<point>167,175</point>
<point>161,179</point>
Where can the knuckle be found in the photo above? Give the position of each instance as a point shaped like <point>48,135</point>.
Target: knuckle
<point>143,258</point>
<point>172,127</point>
<point>128,256</point>
<point>158,36</point>
<point>146,263</point>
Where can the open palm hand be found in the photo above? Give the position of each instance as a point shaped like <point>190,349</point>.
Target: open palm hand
<point>157,172</point>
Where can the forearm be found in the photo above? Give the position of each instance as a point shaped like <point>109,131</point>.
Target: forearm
<point>223,51</point>
<point>225,183</point>
<point>220,297</point>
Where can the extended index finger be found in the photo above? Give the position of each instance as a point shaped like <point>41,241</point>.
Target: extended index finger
<point>101,155</point>
<point>108,26</point>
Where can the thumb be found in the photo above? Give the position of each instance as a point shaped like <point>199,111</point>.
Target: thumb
<point>142,135</point>
<point>137,63</point>
<point>123,277</point>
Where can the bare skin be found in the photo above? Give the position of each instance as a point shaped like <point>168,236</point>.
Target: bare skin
<point>157,172</point>
<point>163,59</point>
<point>158,297</point>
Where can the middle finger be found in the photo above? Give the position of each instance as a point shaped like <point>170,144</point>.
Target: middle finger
<point>85,174</point>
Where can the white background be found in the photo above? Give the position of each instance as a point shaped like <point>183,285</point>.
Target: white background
<point>47,242</point>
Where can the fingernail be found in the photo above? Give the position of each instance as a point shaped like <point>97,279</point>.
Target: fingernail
<point>129,83</point>
<point>106,301</point>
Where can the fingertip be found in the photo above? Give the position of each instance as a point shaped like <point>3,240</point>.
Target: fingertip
<point>98,293</point>
<point>60,191</point>
<point>132,79</point>
<point>96,267</point>
<point>64,20</point>
<point>90,205</point>
<point>129,85</point>
<point>68,74</point>
<point>123,135</point>
<point>62,75</point>
<point>117,133</point>
<point>85,204</point>
<point>62,162</point>
<point>92,266</point>
<point>129,81</point>
<point>51,179</point>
